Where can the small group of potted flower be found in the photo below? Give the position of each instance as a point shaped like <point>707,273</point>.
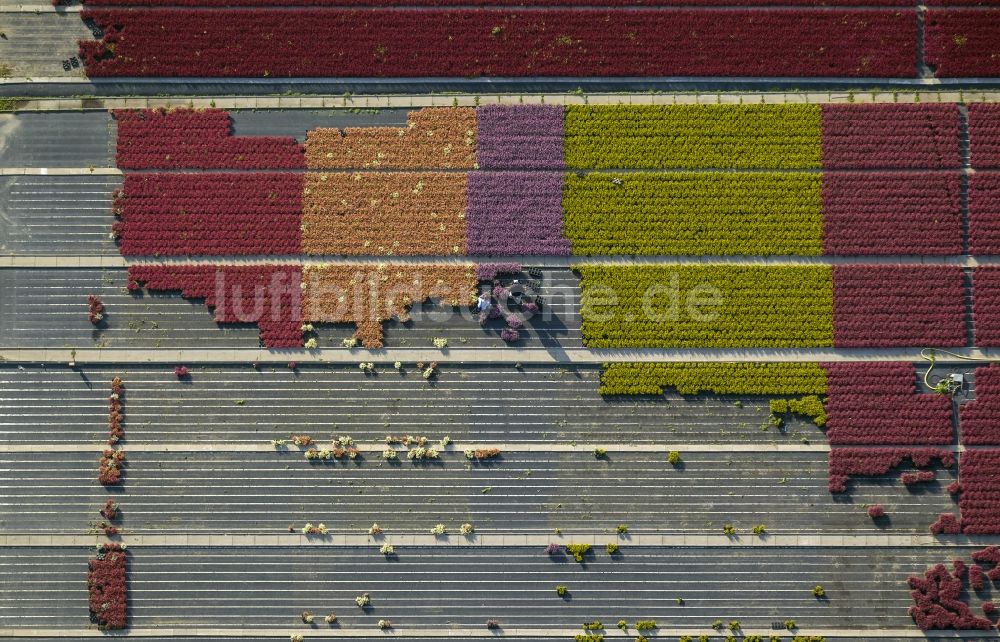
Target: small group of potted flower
<point>319,530</point>
<point>440,529</point>
<point>309,618</point>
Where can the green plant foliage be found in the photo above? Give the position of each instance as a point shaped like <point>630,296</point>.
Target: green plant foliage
<point>645,625</point>
<point>706,306</point>
<point>578,551</point>
<point>692,378</point>
<point>810,406</point>
<point>693,136</point>
<point>694,213</point>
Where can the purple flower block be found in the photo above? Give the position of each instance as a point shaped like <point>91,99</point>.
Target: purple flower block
<point>513,322</point>
<point>510,336</point>
<point>520,137</point>
<point>515,213</point>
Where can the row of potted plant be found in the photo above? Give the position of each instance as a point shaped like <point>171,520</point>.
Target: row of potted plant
<point>116,411</point>
<point>883,418</point>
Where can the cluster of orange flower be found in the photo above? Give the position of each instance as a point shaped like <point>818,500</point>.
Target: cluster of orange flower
<point>434,137</point>
<point>406,213</point>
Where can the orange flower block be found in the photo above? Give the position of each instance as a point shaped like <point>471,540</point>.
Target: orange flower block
<point>377,213</point>
<point>433,138</point>
<point>366,295</point>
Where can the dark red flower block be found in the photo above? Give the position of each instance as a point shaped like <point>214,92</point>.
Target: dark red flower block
<point>891,213</point>
<point>876,403</point>
<point>847,462</point>
<point>210,214</point>
<point>962,43</point>
<point>488,3</point>
<point>980,418</point>
<point>984,136</point>
<point>884,306</point>
<point>196,139</point>
<point>984,214</point>
<point>107,587</point>
<point>268,295</point>
<point>986,306</point>
<point>938,604</point>
<point>351,42</point>
<point>890,136</point>
<point>980,498</point>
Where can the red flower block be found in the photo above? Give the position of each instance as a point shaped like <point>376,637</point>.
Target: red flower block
<point>107,587</point>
